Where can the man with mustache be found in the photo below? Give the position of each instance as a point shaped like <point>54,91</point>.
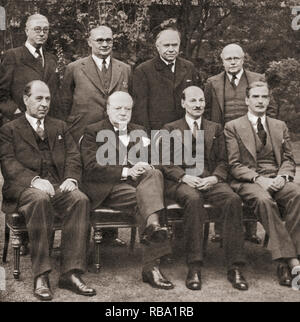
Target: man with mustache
<point>263,167</point>
<point>190,189</point>
<point>225,101</point>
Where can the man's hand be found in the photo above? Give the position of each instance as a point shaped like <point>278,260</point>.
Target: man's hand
<point>192,181</point>
<point>278,183</point>
<point>265,183</point>
<point>144,165</point>
<point>44,185</point>
<point>67,186</point>
<point>207,183</point>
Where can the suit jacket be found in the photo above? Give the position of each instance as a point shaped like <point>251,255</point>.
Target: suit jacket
<point>214,96</point>
<point>214,149</point>
<point>21,160</point>
<point>17,69</point>
<point>241,149</point>
<point>83,95</point>
<point>157,95</point>
<point>98,180</point>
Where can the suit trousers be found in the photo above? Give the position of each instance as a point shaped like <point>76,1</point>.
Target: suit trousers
<point>142,198</point>
<point>284,237</point>
<point>39,211</point>
<point>230,206</point>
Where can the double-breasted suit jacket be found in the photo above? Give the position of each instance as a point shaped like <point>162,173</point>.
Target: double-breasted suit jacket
<point>157,91</point>
<point>215,95</point>
<point>83,95</point>
<point>18,68</point>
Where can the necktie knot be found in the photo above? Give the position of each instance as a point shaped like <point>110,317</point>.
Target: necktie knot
<point>233,78</point>
<point>104,65</point>
<point>195,128</point>
<point>39,130</point>
<point>170,66</point>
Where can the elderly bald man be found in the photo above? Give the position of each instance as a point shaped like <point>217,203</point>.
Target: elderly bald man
<point>225,95</point>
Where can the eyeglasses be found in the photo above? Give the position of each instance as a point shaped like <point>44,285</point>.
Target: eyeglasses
<point>235,59</point>
<point>38,30</point>
<point>101,40</point>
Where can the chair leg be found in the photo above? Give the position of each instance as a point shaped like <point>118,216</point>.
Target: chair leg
<point>16,244</point>
<point>205,238</point>
<point>97,241</point>
<point>266,240</point>
<point>6,242</point>
<point>132,239</point>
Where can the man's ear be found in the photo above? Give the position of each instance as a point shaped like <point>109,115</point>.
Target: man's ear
<point>25,99</point>
<point>247,100</point>
<point>182,104</point>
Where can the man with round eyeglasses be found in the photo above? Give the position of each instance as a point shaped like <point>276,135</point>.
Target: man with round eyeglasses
<point>24,64</point>
<point>87,84</point>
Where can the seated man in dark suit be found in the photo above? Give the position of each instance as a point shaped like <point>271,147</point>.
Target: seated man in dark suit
<point>42,169</point>
<point>262,164</point>
<point>187,186</point>
<point>121,183</point>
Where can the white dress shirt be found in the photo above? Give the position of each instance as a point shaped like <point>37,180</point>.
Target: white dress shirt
<point>99,61</point>
<point>190,121</point>
<point>238,77</point>
<point>253,120</point>
<point>33,121</point>
<point>32,51</point>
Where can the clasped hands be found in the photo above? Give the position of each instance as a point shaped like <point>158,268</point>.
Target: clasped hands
<point>138,169</point>
<point>44,185</point>
<point>271,184</point>
<point>202,184</point>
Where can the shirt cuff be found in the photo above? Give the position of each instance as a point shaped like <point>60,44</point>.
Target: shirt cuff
<point>287,178</point>
<point>36,177</point>
<point>124,173</point>
<point>74,180</point>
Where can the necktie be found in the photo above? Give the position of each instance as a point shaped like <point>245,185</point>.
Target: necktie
<point>39,130</point>
<point>262,134</point>
<point>104,67</point>
<point>170,66</point>
<point>39,58</point>
<point>232,82</point>
<point>195,129</point>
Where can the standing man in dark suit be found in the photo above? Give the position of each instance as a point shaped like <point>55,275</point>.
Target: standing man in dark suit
<point>26,63</point>
<point>262,165</point>
<point>159,82</point>
<point>225,101</point>
<point>191,190</point>
<point>125,184</point>
<point>41,167</point>
<point>86,86</point>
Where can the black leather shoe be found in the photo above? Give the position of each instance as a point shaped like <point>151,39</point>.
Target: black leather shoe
<point>155,278</point>
<point>155,233</point>
<point>24,250</point>
<point>253,239</point>
<point>193,279</point>
<point>216,238</point>
<point>74,283</point>
<point>284,275</point>
<point>237,280</point>
<point>42,289</point>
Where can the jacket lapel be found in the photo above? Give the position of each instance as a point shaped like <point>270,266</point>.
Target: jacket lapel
<point>244,130</point>
<point>47,67</point>
<point>276,138</point>
<point>28,60</point>
<point>209,134</point>
<point>180,72</point>
<point>115,75</point>
<point>27,132</point>
<point>218,85</point>
<point>51,129</point>
<point>161,67</point>
<point>89,68</point>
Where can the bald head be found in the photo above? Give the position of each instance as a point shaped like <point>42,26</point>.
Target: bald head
<point>119,109</point>
<point>233,58</point>
<point>102,28</point>
<point>193,102</point>
<point>36,17</point>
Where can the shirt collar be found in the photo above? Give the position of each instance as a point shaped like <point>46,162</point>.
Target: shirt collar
<point>238,75</point>
<point>190,121</point>
<point>99,61</point>
<point>169,62</point>
<point>32,121</point>
<point>32,49</point>
<point>253,119</point>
